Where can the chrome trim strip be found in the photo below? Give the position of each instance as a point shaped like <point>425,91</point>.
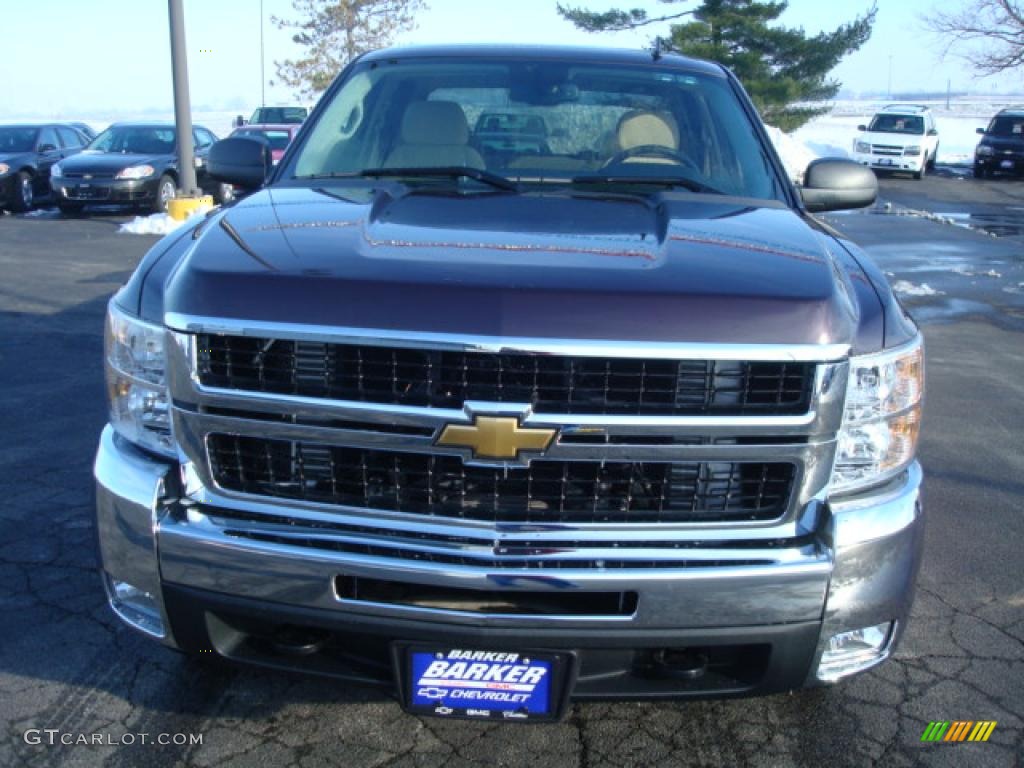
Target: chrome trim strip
<point>391,523</point>
<point>539,346</point>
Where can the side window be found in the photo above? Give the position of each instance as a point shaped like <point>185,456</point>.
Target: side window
<point>48,136</point>
<point>69,138</point>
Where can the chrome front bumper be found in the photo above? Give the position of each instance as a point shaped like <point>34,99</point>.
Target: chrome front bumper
<point>858,571</point>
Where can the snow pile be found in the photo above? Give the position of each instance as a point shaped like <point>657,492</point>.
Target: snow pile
<point>157,223</point>
<point>795,154</point>
<point>907,288</point>
<point>43,213</point>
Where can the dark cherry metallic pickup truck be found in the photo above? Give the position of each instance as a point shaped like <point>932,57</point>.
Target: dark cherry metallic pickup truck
<point>503,424</point>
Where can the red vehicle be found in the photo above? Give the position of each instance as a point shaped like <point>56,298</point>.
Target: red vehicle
<point>278,135</point>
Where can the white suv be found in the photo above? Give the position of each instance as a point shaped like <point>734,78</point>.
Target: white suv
<point>899,138</point>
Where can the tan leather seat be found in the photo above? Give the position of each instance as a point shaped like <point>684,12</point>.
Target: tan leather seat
<point>641,128</point>
<point>434,134</point>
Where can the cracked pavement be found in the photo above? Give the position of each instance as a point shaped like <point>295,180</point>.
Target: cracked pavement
<point>66,663</point>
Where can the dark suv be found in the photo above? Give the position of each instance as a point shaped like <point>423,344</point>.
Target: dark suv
<point>610,415</point>
<point>1001,149</point>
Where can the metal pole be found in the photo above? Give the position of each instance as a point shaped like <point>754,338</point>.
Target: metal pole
<point>182,107</point>
<point>263,77</point>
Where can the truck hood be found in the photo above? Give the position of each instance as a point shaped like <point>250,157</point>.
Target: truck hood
<point>683,267</point>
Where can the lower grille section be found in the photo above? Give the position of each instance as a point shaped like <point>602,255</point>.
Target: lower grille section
<point>546,491</point>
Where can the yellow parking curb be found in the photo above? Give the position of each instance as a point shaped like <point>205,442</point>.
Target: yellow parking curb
<point>180,208</point>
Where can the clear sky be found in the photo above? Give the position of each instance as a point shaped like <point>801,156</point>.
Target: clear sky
<point>68,58</point>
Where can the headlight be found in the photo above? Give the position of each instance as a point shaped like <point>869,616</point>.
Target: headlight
<point>55,170</point>
<point>882,419</point>
<point>862,146</point>
<point>4,168</point>
<point>136,172</point>
<point>984,149</point>
<point>136,387</point>
<point>911,150</point>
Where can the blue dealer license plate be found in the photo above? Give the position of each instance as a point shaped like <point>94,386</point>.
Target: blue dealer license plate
<point>505,685</point>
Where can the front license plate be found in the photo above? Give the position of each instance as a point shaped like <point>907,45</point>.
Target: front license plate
<point>1006,164</point>
<point>885,161</point>
<point>480,684</point>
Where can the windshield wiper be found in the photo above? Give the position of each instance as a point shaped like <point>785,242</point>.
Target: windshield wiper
<point>451,172</point>
<point>657,181</point>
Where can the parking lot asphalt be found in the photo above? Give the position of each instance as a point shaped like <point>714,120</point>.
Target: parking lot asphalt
<point>67,664</point>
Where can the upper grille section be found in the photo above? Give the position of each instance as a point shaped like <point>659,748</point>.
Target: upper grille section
<point>547,491</point>
<point>554,384</point>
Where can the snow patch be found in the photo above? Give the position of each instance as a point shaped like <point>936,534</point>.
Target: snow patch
<point>907,288</point>
<point>43,213</point>
<point>157,223</point>
<point>795,154</point>
<point>961,270</point>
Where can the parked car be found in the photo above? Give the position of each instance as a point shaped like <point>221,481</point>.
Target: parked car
<point>134,164</point>
<point>278,137</point>
<point>27,155</point>
<point>85,129</point>
<point>899,138</point>
<point>500,435</point>
<point>515,133</point>
<point>1001,149</point>
<point>274,116</point>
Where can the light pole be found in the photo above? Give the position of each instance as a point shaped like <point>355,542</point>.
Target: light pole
<point>182,105</point>
<point>263,77</point>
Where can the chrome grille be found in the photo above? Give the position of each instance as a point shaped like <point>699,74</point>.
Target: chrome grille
<point>886,149</point>
<point>550,384</point>
<point>287,446</point>
<point>545,492</point>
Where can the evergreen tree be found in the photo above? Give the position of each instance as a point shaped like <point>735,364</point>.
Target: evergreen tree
<point>782,68</point>
<point>334,32</point>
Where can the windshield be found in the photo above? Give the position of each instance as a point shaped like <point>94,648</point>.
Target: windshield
<point>540,122</point>
<point>1007,125</point>
<point>136,140</point>
<point>279,115</point>
<point>897,124</point>
<point>276,139</point>
<point>17,139</point>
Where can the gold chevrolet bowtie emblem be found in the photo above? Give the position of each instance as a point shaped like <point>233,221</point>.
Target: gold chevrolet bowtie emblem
<point>495,437</point>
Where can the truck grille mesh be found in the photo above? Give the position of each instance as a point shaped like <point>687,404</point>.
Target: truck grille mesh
<point>546,491</point>
<point>550,383</point>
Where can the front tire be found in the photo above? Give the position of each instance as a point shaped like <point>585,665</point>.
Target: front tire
<point>22,195</point>
<point>165,190</point>
<point>931,161</point>
<point>980,173</point>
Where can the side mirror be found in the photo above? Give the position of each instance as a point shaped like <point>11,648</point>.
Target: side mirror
<point>243,162</point>
<point>933,132</point>
<point>980,130</point>
<point>862,127</point>
<point>834,184</point>
<point>47,148</point>
<point>239,121</point>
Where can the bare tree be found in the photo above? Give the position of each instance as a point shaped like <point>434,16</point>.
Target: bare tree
<point>334,32</point>
<point>989,34</point>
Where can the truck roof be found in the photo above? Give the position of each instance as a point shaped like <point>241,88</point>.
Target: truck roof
<point>574,54</point>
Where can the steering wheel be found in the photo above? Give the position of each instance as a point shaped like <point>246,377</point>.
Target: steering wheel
<point>653,150</point>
